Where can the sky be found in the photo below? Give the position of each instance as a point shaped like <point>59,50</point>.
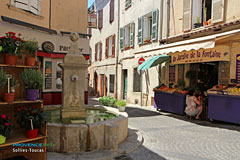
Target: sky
<point>90,2</point>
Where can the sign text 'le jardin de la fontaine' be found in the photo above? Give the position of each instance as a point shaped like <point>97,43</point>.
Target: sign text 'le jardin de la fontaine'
<point>198,56</point>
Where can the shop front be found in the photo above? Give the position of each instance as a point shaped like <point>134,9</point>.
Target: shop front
<point>211,70</point>
<point>52,48</point>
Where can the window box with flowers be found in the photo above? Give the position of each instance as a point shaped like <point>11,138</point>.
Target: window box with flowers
<point>6,127</point>
<point>147,40</point>
<point>127,47</point>
<point>12,47</point>
<point>32,119</point>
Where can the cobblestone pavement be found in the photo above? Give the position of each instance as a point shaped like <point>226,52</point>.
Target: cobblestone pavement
<point>172,137</point>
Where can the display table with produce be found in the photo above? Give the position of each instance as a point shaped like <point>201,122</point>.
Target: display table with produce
<point>170,102</point>
<point>225,106</point>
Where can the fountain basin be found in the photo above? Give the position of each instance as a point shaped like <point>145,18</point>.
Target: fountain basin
<point>106,134</point>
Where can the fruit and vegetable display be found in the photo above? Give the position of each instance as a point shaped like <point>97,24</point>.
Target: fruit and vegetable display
<point>231,89</point>
<point>234,90</point>
<point>171,89</point>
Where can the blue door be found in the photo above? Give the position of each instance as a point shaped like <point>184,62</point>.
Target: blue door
<point>125,81</point>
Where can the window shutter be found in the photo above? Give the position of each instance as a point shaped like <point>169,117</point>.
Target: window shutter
<point>126,3</point>
<point>217,11</point>
<point>96,51</point>
<point>111,11</point>
<point>140,30</point>
<point>187,15</point>
<point>23,4</point>
<point>100,19</point>
<point>154,24</point>
<point>113,46</point>
<point>132,29</point>
<point>106,48</point>
<point>100,51</point>
<point>34,6</point>
<point>122,38</point>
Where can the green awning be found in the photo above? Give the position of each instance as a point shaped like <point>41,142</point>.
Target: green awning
<point>154,61</point>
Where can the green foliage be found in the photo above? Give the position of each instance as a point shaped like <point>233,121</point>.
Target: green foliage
<point>191,74</point>
<point>181,83</point>
<point>121,103</point>
<point>37,114</point>
<point>3,78</point>
<point>31,46</point>
<point>12,44</point>
<point>13,83</point>
<point>107,101</point>
<point>6,126</point>
<point>198,19</point>
<point>32,79</point>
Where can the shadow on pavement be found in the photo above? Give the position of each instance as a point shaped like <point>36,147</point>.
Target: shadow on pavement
<point>217,124</point>
<point>143,153</point>
<point>134,150</point>
<point>138,112</point>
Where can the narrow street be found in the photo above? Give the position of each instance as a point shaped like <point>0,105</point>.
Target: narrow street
<point>173,137</point>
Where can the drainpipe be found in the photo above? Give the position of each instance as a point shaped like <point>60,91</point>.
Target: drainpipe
<point>50,14</point>
<point>117,54</point>
<point>168,17</point>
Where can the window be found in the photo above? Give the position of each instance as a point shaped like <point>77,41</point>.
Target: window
<point>128,4</point>
<point>110,47</point>
<point>111,17</point>
<point>100,19</point>
<point>32,6</point>
<point>202,12</point>
<point>112,76</point>
<point>98,51</point>
<point>148,27</point>
<point>136,81</point>
<point>127,36</point>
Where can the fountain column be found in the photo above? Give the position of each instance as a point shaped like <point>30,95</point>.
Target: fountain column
<point>74,82</point>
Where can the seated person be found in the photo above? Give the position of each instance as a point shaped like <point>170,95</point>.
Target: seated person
<point>194,105</point>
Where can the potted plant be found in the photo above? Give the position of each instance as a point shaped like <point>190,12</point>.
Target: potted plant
<point>32,119</point>
<point>121,104</point>
<point>5,128</point>
<point>31,47</point>
<point>197,24</point>
<point>12,47</point>
<point>9,82</point>
<point>32,80</point>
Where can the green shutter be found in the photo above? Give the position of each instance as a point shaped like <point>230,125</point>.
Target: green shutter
<point>122,38</point>
<point>140,30</point>
<point>154,25</point>
<point>132,29</point>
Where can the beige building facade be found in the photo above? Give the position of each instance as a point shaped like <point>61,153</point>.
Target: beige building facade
<point>49,22</point>
<point>151,28</point>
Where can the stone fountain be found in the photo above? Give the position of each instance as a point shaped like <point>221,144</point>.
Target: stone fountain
<point>74,80</point>
<point>72,132</point>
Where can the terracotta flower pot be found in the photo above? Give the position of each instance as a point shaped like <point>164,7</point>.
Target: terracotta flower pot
<point>12,60</point>
<point>30,61</point>
<point>8,97</point>
<point>32,133</point>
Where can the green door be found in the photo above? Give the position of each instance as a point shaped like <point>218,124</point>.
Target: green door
<point>125,81</point>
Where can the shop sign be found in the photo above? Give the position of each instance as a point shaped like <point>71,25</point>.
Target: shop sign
<point>67,48</point>
<point>48,46</point>
<point>199,56</point>
<point>92,20</point>
<point>238,69</point>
